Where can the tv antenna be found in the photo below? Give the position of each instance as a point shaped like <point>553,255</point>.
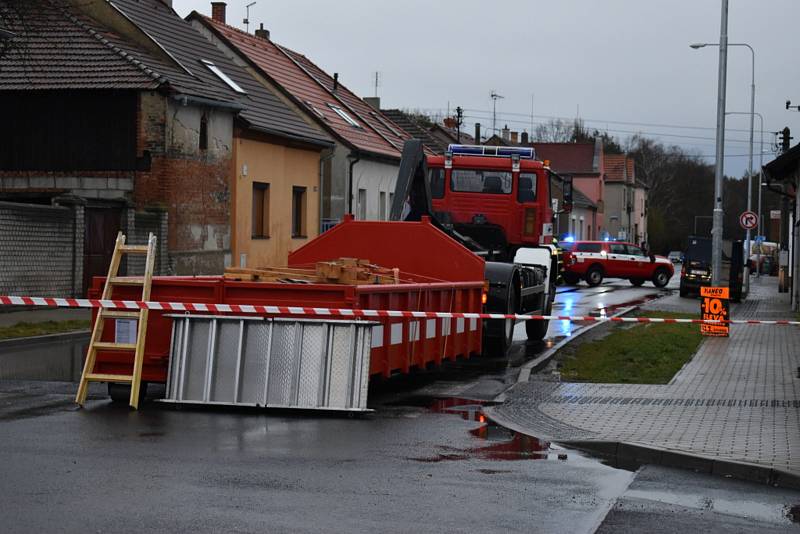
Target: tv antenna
<point>247,16</point>
<point>376,81</point>
<point>495,97</point>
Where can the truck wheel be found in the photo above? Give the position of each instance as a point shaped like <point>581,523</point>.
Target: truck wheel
<point>497,346</point>
<point>683,292</point>
<point>637,281</point>
<point>571,279</point>
<point>661,277</point>
<point>594,276</point>
<point>537,329</point>
<point>121,393</point>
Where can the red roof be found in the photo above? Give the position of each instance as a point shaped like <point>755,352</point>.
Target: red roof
<point>619,168</point>
<point>576,158</point>
<point>312,88</point>
<point>615,167</point>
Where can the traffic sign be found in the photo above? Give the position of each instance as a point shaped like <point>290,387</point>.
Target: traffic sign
<point>748,220</point>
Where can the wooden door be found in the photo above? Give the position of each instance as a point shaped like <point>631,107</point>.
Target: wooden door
<point>100,232</point>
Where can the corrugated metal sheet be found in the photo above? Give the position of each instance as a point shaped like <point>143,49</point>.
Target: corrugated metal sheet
<point>275,363</point>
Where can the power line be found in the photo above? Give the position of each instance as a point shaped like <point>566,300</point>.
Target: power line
<point>626,123</point>
<point>628,132</point>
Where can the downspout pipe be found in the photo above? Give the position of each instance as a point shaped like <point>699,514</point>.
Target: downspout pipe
<point>322,160</point>
<point>355,158</point>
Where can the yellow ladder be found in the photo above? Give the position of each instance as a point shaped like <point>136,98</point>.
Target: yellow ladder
<point>140,316</point>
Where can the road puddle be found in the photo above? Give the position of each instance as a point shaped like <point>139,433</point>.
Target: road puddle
<point>497,443</point>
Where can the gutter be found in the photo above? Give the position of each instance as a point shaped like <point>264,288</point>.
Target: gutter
<point>357,157</point>
<point>202,101</point>
<point>291,137</point>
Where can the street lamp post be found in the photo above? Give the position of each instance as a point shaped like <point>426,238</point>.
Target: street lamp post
<point>760,179</point>
<point>752,118</point>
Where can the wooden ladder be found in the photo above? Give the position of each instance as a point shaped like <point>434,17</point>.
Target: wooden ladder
<point>140,316</point>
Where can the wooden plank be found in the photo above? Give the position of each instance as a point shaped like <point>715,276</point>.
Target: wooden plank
<point>141,335</point>
<point>135,249</point>
<point>126,281</point>
<point>116,314</point>
<point>101,377</point>
<point>107,345</point>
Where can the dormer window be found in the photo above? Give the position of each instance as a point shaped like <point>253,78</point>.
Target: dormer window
<point>222,76</point>
<point>343,114</point>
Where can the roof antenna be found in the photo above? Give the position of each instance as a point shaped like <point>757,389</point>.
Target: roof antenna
<point>247,16</point>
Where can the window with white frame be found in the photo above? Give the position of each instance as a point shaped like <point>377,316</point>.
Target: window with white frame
<point>343,114</point>
<point>222,76</point>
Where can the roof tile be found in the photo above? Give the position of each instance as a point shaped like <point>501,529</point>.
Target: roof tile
<point>311,87</point>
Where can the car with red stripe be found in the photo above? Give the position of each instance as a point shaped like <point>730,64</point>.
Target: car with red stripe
<point>594,261</point>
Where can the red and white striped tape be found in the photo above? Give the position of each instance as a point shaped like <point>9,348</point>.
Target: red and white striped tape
<point>343,312</point>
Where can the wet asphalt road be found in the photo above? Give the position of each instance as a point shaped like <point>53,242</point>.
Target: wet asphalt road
<point>424,461</point>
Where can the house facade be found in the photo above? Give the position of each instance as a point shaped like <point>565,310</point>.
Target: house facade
<point>141,114</point>
<point>585,162</point>
<point>626,200</point>
<point>360,171</point>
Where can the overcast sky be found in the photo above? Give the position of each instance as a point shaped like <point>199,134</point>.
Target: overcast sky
<point>615,62</point>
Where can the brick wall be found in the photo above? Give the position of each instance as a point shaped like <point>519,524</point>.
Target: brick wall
<point>139,225</point>
<point>38,255</point>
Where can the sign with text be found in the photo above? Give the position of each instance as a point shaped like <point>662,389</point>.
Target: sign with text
<point>715,306</point>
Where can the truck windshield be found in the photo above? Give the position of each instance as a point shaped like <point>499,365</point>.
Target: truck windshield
<point>480,181</point>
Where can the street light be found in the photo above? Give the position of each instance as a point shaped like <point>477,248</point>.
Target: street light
<point>752,118</point>
<point>760,184</point>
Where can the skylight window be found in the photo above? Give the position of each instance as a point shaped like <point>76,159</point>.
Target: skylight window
<point>222,76</point>
<point>343,114</point>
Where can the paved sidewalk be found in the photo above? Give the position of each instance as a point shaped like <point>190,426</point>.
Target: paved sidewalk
<point>737,400</point>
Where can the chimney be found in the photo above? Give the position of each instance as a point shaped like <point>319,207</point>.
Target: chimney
<point>218,11</point>
<point>335,81</point>
<point>506,133</point>
<point>478,133</point>
<point>515,137</point>
<point>374,102</point>
<point>524,138</point>
<point>262,33</point>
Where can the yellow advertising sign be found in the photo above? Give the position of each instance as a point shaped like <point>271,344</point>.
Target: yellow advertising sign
<point>715,306</point>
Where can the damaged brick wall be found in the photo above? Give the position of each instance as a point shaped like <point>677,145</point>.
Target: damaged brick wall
<point>190,183</point>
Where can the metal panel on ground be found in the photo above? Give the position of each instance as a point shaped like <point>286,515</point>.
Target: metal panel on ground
<point>276,363</point>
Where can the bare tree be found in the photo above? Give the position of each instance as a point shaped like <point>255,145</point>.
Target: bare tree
<point>555,131</point>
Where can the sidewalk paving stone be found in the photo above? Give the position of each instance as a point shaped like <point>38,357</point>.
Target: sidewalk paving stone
<point>737,400</point>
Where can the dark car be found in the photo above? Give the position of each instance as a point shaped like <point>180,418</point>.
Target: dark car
<point>696,270</point>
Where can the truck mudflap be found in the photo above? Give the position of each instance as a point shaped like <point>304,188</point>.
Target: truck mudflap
<point>275,363</point>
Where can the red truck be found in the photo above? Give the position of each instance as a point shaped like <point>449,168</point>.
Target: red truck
<point>594,260</point>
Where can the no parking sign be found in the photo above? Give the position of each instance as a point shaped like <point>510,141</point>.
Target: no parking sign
<point>714,306</point>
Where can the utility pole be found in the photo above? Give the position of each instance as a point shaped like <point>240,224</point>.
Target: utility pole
<point>495,97</point>
<point>459,121</point>
<point>716,232</point>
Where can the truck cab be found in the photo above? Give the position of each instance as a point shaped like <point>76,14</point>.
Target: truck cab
<point>498,196</point>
